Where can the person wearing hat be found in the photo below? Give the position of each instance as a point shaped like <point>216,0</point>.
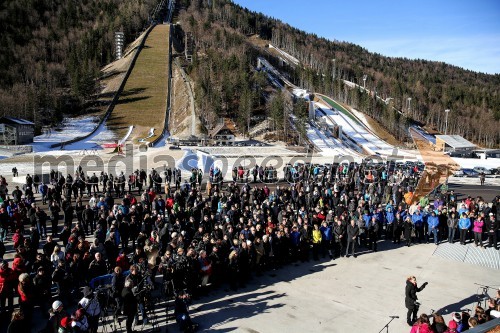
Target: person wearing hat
<point>91,307</point>
<point>79,321</point>
<point>65,325</point>
<point>56,314</point>
<point>458,319</point>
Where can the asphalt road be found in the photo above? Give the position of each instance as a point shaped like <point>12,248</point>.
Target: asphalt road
<point>487,192</point>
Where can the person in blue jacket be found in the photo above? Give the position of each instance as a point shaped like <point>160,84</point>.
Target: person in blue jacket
<point>390,231</point>
<point>418,222</point>
<point>463,226</point>
<point>367,219</point>
<point>326,239</point>
<point>433,223</point>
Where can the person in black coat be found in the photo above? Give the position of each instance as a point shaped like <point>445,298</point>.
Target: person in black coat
<point>411,299</point>
<point>352,234</point>
<point>18,324</point>
<point>407,226</point>
<point>339,233</point>
<point>491,228</point>
<point>129,304</point>
<point>181,313</point>
<point>398,227</point>
<point>373,230</point>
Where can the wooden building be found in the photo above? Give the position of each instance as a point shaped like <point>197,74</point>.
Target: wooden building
<point>221,135</point>
<point>16,131</point>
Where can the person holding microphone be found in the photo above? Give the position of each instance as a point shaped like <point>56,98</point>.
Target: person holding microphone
<point>411,299</point>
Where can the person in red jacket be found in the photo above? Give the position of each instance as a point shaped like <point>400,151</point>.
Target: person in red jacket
<point>18,266</point>
<point>18,238</point>
<point>7,283</point>
<point>122,261</point>
<point>169,204</point>
<point>26,296</point>
<point>151,195</point>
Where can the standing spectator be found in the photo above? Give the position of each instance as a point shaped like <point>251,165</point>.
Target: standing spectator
<point>92,308</point>
<point>422,325</point>
<point>56,314</point>
<point>54,210</point>
<point>117,285</point>
<point>438,324</point>
<point>7,283</point>
<point>18,323</point>
<point>464,225</point>
<point>26,296</point>
<point>79,322</point>
<point>373,229</point>
<point>62,280</point>
<point>42,285</point>
<point>316,241</point>
<point>478,231</point>
<point>129,304</point>
<point>352,234</point>
<point>43,189</point>
<point>491,229</point>
<point>433,225</point>
<point>339,233</point>
<point>56,256</point>
<point>452,226</point>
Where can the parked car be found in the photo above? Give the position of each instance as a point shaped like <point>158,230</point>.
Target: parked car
<point>174,147</point>
<point>470,173</point>
<point>484,170</point>
<point>495,171</point>
<point>459,173</point>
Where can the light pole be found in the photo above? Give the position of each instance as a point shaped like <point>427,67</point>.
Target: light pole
<point>333,77</point>
<point>446,121</point>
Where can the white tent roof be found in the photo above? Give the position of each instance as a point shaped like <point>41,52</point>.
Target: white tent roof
<point>456,141</point>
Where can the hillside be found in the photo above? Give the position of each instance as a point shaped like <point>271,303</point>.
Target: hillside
<point>52,52</point>
<point>143,102</point>
<point>225,54</point>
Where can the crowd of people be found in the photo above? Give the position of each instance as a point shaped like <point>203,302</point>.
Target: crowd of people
<point>196,237</point>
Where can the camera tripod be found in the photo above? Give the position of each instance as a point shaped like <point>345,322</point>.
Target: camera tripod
<point>150,305</point>
<point>483,296</point>
<point>108,304</point>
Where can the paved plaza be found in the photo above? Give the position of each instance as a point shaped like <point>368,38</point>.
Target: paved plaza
<point>343,295</point>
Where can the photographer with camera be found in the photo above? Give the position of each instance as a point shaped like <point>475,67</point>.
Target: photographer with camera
<point>411,298</point>
<point>141,289</point>
<point>129,304</point>
<point>166,267</point>
<point>181,313</point>
<point>181,270</point>
<point>90,304</point>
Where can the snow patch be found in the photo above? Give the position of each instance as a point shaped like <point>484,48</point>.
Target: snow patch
<point>72,128</point>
